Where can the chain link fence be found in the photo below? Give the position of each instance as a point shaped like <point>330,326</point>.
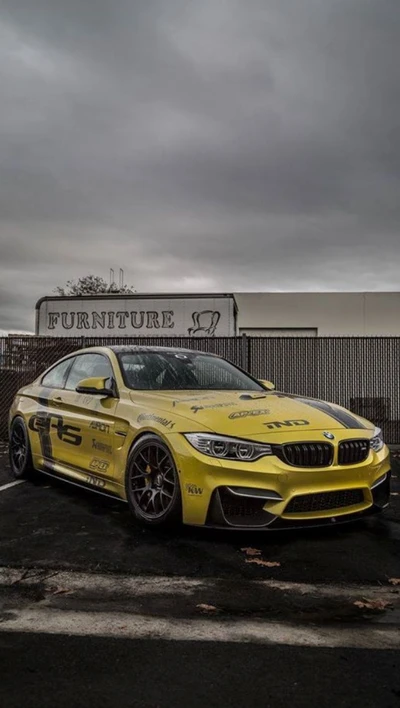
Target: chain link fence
<point>359,373</point>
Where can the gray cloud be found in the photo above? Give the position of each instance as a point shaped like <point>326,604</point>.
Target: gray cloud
<point>245,145</point>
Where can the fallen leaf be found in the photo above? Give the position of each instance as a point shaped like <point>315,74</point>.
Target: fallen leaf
<point>394,494</point>
<point>372,604</point>
<point>207,608</point>
<point>394,581</point>
<point>259,561</point>
<point>62,591</point>
<point>251,551</point>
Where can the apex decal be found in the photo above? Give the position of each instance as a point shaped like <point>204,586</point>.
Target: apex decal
<point>245,414</point>
<point>286,423</point>
<point>98,425</point>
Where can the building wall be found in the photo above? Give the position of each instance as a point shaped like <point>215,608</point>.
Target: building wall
<point>319,314</point>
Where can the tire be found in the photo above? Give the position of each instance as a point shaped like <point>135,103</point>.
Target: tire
<point>20,453</point>
<point>152,483</point>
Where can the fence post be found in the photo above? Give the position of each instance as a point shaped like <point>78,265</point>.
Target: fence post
<point>243,352</point>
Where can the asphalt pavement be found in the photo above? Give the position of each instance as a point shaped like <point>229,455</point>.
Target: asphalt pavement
<point>95,610</point>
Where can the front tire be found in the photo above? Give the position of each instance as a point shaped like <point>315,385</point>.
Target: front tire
<point>20,450</point>
<point>152,483</point>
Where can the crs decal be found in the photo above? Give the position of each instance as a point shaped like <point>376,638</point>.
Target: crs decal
<point>286,423</point>
<point>101,427</point>
<point>99,465</point>
<point>193,489</point>
<point>43,423</point>
<point>157,419</point>
<point>246,414</point>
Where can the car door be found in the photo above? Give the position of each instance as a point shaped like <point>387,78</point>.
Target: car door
<point>91,417</point>
<point>45,419</point>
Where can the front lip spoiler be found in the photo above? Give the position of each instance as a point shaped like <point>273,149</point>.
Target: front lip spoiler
<point>284,525</point>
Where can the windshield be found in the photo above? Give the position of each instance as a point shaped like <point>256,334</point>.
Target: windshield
<point>166,371</point>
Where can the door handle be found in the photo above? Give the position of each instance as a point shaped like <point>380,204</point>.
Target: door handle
<point>58,399</point>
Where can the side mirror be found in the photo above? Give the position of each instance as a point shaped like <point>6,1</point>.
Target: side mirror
<point>267,384</point>
<point>97,386</point>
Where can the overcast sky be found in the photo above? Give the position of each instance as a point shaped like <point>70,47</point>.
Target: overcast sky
<point>202,145</point>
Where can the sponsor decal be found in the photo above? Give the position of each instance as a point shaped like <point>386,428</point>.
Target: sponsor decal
<point>101,446</point>
<point>195,409</point>
<point>99,465</point>
<point>95,481</point>
<point>43,423</point>
<point>246,414</point>
<point>156,419</point>
<point>193,489</point>
<point>286,423</point>
<point>98,425</point>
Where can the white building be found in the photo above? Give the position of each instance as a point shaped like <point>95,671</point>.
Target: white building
<point>255,314</point>
<point>319,314</point>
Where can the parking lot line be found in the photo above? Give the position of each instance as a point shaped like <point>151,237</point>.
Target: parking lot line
<point>11,484</point>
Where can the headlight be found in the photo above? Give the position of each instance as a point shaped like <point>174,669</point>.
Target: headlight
<point>376,443</point>
<point>227,448</point>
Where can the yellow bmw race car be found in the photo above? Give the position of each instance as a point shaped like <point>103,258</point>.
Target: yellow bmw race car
<point>186,436</point>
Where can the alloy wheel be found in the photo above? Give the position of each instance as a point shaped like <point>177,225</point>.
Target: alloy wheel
<point>152,480</point>
<point>18,447</point>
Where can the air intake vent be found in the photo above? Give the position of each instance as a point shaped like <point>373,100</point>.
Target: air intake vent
<point>324,501</point>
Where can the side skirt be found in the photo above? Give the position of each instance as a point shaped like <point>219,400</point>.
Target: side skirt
<point>48,469</point>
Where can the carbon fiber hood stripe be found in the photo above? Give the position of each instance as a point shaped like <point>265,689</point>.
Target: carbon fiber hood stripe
<point>346,419</point>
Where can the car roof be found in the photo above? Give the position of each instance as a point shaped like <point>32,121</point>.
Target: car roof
<point>126,348</point>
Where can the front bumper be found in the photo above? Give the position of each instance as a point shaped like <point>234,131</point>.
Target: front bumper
<point>270,494</point>
<point>230,509</point>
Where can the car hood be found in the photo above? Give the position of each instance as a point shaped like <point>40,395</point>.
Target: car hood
<point>249,413</point>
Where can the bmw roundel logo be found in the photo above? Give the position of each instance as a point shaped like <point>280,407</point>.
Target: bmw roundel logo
<point>330,436</point>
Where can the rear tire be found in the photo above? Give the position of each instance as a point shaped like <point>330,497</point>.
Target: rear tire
<point>20,453</point>
<point>152,483</point>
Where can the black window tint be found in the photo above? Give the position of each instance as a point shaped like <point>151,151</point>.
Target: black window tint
<point>87,366</point>
<point>159,371</point>
<point>55,377</point>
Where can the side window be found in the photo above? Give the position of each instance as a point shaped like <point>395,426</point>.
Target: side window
<point>86,366</point>
<point>55,377</point>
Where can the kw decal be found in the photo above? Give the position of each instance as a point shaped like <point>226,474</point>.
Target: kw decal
<point>43,423</point>
<point>246,414</point>
<point>156,419</point>
<point>193,489</point>
<point>98,425</point>
<point>99,465</point>
<point>102,447</point>
<point>286,423</point>
<point>95,481</point>
<point>195,409</point>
